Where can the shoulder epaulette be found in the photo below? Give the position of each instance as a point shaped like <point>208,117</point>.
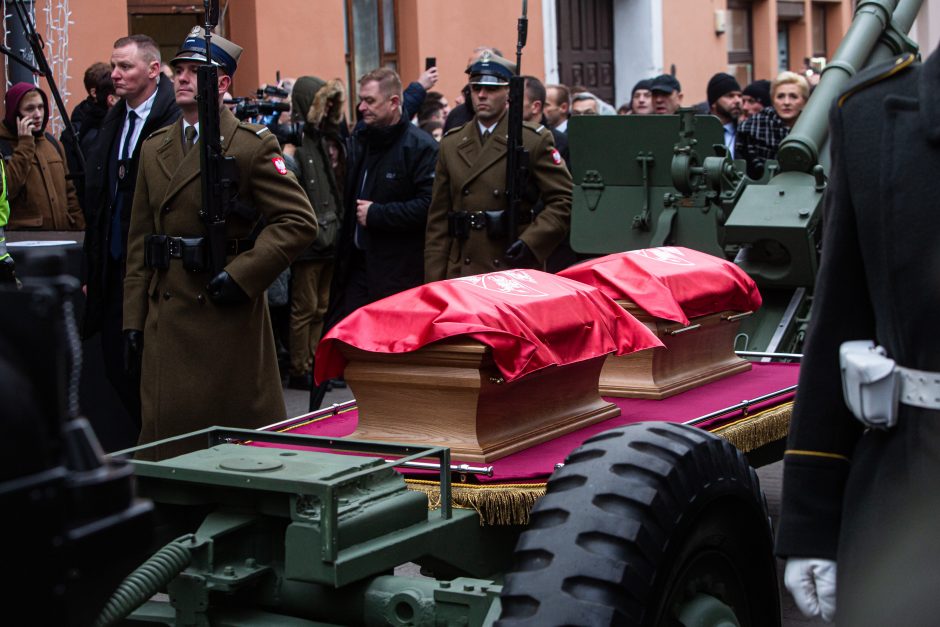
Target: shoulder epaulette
<point>165,129</point>
<point>876,74</point>
<point>455,129</point>
<point>532,127</point>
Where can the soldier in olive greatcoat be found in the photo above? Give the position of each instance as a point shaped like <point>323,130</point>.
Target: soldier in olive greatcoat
<point>470,186</point>
<point>204,343</point>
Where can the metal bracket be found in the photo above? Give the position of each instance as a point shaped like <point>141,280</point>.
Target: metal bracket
<point>593,187</point>
<point>641,221</point>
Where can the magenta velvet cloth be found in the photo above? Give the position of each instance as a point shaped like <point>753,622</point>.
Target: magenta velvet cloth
<point>530,319</point>
<point>671,282</point>
<point>537,463</point>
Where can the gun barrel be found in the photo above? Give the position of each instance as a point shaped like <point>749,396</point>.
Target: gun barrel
<point>864,43</point>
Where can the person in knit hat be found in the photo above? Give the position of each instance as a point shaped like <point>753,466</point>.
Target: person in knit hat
<point>724,102</point>
<point>40,195</point>
<point>754,99</point>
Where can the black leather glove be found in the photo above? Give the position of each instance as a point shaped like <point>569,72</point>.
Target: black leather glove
<point>520,255</point>
<point>223,290</point>
<point>133,351</point>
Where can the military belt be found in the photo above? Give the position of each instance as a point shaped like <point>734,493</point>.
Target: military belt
<point>461,223</point>
<point>193,251</point>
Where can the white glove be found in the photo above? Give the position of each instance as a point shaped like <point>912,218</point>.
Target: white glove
<point>812,582</point>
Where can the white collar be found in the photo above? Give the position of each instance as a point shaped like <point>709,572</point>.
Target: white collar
<point>143,109</point>
<point>487,129</point>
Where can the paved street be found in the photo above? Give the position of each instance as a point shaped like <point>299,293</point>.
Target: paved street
<point>770,477</point>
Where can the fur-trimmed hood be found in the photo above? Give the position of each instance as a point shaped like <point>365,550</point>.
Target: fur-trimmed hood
<point>316,101</point>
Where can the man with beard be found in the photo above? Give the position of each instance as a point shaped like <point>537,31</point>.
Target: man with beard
<point>724,101</point>
<point>470,185</point>
<point>389,177</point>
<point>146,105</point>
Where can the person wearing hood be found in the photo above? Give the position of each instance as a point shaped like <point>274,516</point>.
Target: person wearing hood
<point>319,162</point>
<point>41,197</point>
<point>390,174</point>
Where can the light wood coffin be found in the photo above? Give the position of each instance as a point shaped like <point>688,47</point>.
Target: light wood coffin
<point>694,355</point>
<point>450,393</point>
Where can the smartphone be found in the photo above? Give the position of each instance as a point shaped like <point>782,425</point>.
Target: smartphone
<point>430,62</point>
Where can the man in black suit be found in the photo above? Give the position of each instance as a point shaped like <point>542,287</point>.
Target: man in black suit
<point>866,498</point>
<point>146,104</point>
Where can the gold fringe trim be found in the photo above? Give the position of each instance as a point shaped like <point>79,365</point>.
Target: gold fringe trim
<point>752,432</point>
<point>504,504</point>
<point>510,503</point>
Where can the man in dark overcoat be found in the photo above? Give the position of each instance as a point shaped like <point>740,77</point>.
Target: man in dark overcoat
<point>208,355</point>
<point>389,177</point>
<point>110,176</point>
<point>470,180</point>
<point>866,499</point>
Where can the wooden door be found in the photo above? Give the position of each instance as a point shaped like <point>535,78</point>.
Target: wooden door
<point>586,45</point>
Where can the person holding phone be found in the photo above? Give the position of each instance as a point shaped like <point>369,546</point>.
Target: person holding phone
<point>41,196</point>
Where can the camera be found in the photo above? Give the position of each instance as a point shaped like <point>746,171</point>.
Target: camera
<point>290,133</point>
<point>252,109</point>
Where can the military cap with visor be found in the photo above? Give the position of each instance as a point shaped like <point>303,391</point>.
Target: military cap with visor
<point>491,70</point>
<point>224,53</point>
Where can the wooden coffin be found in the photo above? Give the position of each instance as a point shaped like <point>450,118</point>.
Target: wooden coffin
<point>694,355</point>
<point>450,393</point>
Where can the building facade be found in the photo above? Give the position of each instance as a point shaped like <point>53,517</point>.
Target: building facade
<point>604,45</point>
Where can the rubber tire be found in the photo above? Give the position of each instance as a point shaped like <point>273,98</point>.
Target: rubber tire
<point>623,519</point>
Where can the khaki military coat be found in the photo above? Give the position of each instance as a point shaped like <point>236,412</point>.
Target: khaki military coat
<point>205,364</point>
<point>471,176</point>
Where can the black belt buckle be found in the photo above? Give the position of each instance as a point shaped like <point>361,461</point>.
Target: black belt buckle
<point>157,252</point>
<point>478,220</point>
<point>174,247</point>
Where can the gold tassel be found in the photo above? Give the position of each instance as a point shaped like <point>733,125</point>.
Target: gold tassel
<point>510,504</point>
<point>504,504</point>
<point>752,432</point>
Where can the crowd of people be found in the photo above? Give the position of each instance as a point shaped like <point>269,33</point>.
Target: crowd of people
<point>409,191</point>
<point>341,213</point>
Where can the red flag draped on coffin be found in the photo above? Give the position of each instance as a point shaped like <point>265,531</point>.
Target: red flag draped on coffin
<point>670,282</point>
<point>530,319</point>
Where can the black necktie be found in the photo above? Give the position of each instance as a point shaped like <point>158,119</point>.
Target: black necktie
<point>131,123</point>
<point>486,135</point>
<point>116,242</point>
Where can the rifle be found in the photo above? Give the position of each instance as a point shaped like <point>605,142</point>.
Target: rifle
<point>42,69</point>
<point>517,157</point>
<point>219,172</point>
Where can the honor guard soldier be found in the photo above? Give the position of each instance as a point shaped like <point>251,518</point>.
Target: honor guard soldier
<point>863,460</point>
<point>466,231</point>
<point>203,338</point>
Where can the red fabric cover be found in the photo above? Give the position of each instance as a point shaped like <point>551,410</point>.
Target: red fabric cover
<point>530,319</point>
<point>538,462</point>
<point>671,282</point>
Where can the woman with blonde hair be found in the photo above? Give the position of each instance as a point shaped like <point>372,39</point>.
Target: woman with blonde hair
<point>760,135</point>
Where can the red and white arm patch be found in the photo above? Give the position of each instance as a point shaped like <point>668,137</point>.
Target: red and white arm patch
<point>556,156</point>
<point>279,165</point>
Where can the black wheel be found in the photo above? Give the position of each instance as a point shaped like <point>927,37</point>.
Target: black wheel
<point>640,526</point>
